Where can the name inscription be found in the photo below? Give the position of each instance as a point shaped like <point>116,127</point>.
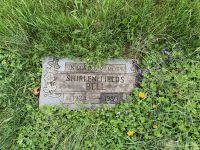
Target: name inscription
<point>67,82</point>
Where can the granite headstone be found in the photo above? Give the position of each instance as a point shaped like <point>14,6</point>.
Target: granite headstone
<point>72,83</point>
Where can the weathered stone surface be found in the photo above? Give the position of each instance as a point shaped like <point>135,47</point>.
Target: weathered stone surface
<point>69,83</point>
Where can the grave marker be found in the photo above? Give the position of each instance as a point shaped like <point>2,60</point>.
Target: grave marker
<point>68,82</point>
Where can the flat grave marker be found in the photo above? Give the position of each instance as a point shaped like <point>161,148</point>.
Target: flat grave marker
<point>67,82</point>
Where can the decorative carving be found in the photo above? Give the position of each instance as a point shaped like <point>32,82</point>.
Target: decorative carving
<point>50,85</point>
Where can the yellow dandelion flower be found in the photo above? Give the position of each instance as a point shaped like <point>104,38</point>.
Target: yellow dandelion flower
<point>130,133</point>
<point>154,106</point>
<point>155,126</point>
<point>141,95</point>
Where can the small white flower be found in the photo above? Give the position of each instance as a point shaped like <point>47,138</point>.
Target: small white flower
<point>118,113</point>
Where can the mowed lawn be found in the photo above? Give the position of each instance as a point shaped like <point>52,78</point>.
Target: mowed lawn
<point>163,112</point>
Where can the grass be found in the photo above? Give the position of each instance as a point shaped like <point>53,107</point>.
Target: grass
<point>96,31</point>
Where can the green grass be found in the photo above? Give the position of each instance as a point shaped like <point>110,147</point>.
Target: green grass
<point>96,31</point>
